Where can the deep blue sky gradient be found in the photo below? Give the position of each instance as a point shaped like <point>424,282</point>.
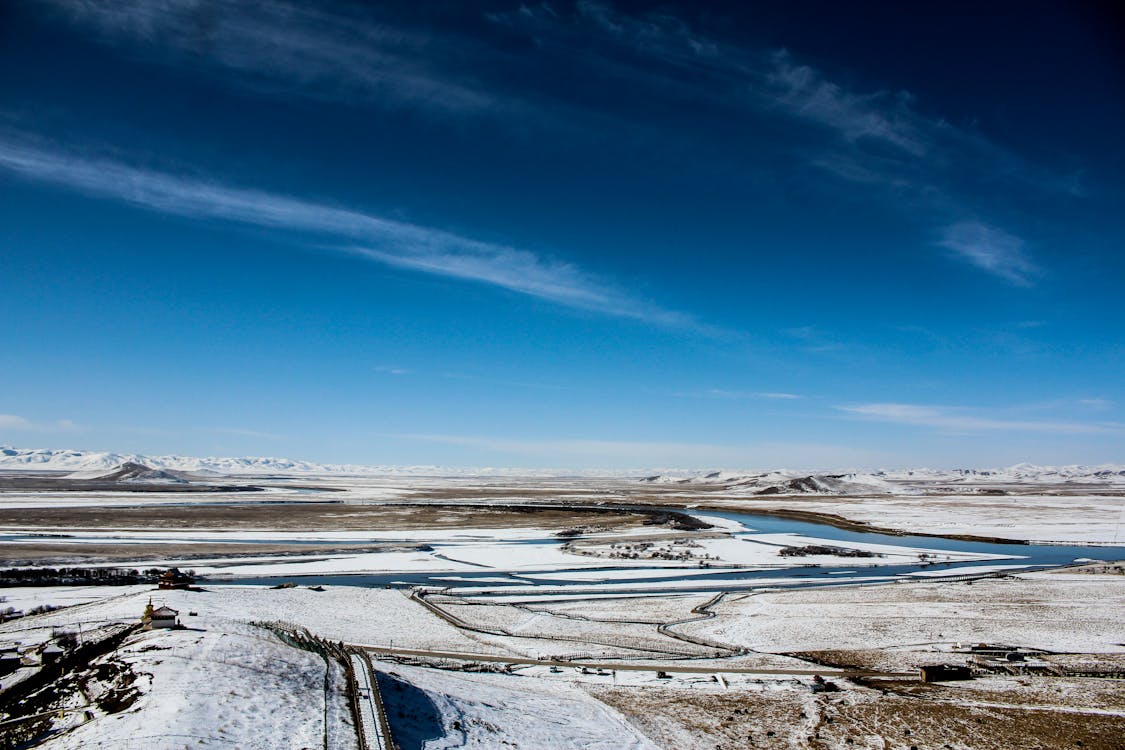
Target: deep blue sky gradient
<point>633,235</point>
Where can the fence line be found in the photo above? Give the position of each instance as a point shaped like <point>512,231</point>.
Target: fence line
<point>302,638</point>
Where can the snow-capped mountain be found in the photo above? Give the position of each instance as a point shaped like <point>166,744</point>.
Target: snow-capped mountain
<point>908,481</point>
<point>91,463</point>
<point>1017,473</point>
<point>784,482</point>
<point>133,473</point>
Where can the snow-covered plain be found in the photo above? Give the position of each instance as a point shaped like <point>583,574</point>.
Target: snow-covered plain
<point>24,598</point>
<point>225,683</point>
<point>212,684</point>
<point>1036,517</point>
<point>534,554</point>
<point>449,710</point>
<point>1051,611</point>
<point>1076,503</point>
<point>382,617</point>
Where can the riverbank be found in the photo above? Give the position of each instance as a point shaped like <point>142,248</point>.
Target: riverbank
<point>1095,520</point>
<point>847,524</point>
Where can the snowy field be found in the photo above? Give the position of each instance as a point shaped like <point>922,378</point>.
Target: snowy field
<point>356,615</point>
<point>448,710</point>
<point>641,598</point>
<point>210,685</point>
<point>614,560</point>
<point>1077,518</point>
<point>1051,611</point>
<point>1084,504</point>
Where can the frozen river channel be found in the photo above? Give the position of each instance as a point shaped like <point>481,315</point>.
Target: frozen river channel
<point>507,565</point>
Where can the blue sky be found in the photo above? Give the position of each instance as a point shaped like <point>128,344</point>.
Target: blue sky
<point>586,235</point>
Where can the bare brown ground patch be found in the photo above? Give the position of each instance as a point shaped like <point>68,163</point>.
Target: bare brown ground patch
<point>307,517</point>
<point>710,497</point>
<point>682,719</point>
<point>289,517</point>
<point>875,660</point>
<point>1089,662</point>
<point>1064,692</point>
<point>484,494</point>
<point>858,717</point>
<point>951,721</point>
<point>57,554</point>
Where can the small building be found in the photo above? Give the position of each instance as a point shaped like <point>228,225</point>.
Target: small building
<point>174,579</point>
<point>945,672</point>
<point>160,617</point>
<point>50,653</point>
<point>164,617</point>
<point>9,659</point>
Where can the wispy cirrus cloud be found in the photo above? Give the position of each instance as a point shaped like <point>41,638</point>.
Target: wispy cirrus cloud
<point>332,49</point>
<point>392,370</point>
<point>386,241</point>
<point>323,50</point>
<point>14,423</point>
<point>992,250</point>
<point>804,92</point>
<point>487,380</point>
<point>876,138</point>
<point>813,339</point>
<point>243,432</point>
<point>1097,403</point>
<point>750,80</point>
<point>963,420</point>
<point>737,395</point>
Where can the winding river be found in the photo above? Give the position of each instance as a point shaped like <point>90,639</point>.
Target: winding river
<point>621,579</point>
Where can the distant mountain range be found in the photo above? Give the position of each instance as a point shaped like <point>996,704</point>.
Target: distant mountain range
<point>97,463</point>
<point>903,482</point>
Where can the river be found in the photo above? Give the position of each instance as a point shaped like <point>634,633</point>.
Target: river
<point>622,579</point>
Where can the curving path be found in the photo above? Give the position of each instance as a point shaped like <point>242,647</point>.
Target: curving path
<point>376,734</point>
<point>624,666</point>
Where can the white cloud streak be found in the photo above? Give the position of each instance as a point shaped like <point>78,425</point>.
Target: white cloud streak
<point>333,50</point>
<point>389,242</point>
<point>722,393</point>
<point>961,420</point>
<point>875,138</point>
<point>991,249</point>
<point>16,423</point>
<point>322,50</point>
<point>242,432</point>
<point>1097,403</point>
<point>804,93</point>
<point>660,52</point>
